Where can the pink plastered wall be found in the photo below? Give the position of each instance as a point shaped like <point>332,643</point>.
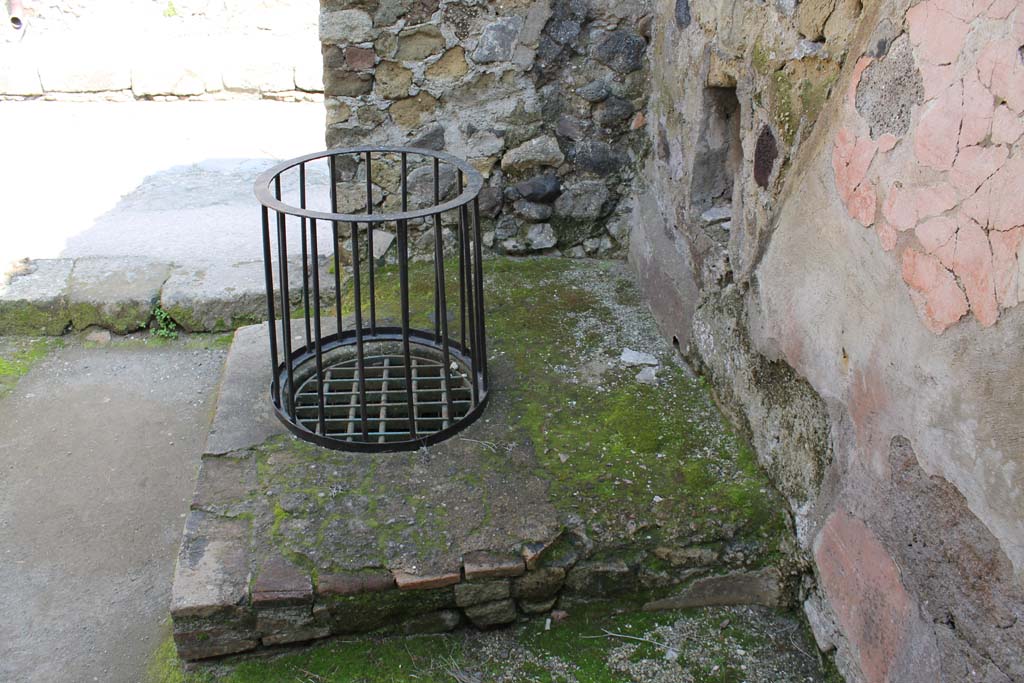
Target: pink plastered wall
<point>947,197</point>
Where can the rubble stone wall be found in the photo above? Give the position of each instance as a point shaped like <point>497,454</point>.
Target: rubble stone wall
<point>828,224</point>
<point>545,99</point>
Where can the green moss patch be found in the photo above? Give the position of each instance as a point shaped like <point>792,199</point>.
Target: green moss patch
<point>721,645</point>
<point>620,454</point>
<point>18,355</point>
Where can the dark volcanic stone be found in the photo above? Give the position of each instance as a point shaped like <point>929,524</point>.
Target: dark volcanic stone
<point>622,51</point>
<point>334,57</point>
<point>683,17</point>
<point>507,227</point>
<point>595,91</point>
<point>542,188</point>
<point>765,152</point>
<point>613,110</point>
<point>569,127</point>
<point>560,36</point>
<point>600,578</point>
<point>595,156</point>
<point>563,31</point>
<point>460,18</point>
<point>490,201</point>
<point>430,138</point>
<point>567,18</point>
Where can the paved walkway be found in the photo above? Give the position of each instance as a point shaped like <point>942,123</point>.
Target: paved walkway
<point>94,487</point>
<point>93,492</point>
<point>168,180</point>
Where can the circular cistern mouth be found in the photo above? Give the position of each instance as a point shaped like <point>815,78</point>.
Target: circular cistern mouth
<point>385,347</point>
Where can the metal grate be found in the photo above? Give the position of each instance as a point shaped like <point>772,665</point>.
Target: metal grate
<point>439,399</point>
<point>369,386</point>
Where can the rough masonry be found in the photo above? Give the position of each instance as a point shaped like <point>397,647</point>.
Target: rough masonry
<point>544,98</point>
<point>829,225</point>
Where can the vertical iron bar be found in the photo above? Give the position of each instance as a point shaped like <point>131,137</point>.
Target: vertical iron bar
<point>286,317</point>
<point>438,254</point>
<point>370,256</point>
<point>405,188</point>
<point>337,246</point>
<point>481,337</point>
<point>317,331</point>
<point>462,275</point>
<point>403,277</point>
<point>443,304</point>
<point>305,254</point>
<point>470,298</point>
<point>358,305</point>
<point>268,273</point>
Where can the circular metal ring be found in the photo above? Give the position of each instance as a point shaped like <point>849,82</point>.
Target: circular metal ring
<point>304,367</point>
<point>473,185</point>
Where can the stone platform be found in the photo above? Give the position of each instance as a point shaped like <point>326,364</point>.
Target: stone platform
<point>601,470</point>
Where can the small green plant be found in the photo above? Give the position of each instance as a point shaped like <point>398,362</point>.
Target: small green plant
<point>165,328</point>
<point>170,10</point>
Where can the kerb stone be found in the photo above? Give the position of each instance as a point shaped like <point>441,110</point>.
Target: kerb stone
<point>117,293</point>
<point>212,573</point>
<point>223,481</point>
<point>35,300</point>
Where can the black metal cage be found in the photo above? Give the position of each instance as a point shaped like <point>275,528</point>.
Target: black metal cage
<point>354,366</point>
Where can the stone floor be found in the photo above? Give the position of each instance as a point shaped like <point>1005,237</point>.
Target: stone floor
<point>600,470</point>
<point>99,444</point>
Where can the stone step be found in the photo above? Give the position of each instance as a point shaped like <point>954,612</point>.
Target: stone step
<point>55,296</point>
<point>579,483</point>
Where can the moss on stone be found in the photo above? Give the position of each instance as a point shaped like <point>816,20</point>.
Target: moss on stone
<point>618,453</point>
<point>631,469</point>
<point>813,96</point>
<point>384,610</point>
<point>27,319</point>
<point>18,355</point>
<point>784,113</point>
<point>190,319</point>
<point>760,59</point>
<point>122,320</point>
<point>594,645</point>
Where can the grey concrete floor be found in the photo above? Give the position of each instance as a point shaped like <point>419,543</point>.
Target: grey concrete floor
<point>98,449</point>
<point>168,180</point>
